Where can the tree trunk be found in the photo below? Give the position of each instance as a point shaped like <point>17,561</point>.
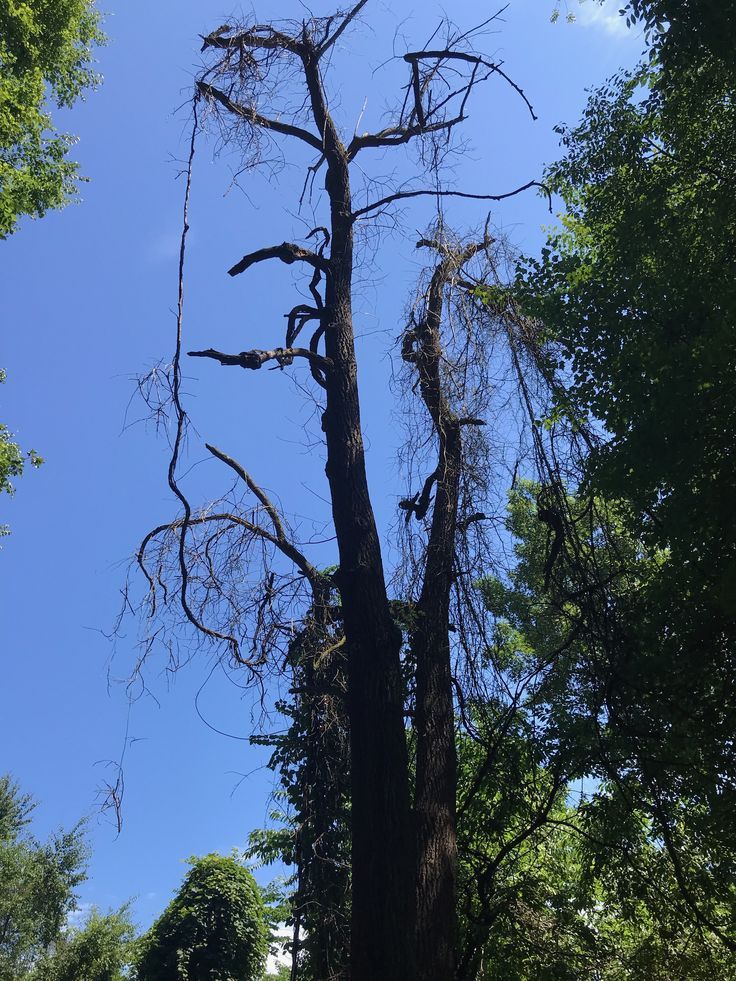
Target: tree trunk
<point>436,766</point>
<point>382,854</point>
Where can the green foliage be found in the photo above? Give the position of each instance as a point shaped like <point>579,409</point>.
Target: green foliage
<point>681,32</point>
<point>98,951</point>
<point>12,460</point>
<point>583,854</point>
<point>638,292</point>
<point>15,810</point>
<point>213,930</point>
<point>37,884</point>
<point>45,54</point>
<point>312,823</point>
<point>282,974</point>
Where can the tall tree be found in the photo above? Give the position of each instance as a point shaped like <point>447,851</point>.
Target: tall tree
<point>252,71</point>
<point>637,290</point>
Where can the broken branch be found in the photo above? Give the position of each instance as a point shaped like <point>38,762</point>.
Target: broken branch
<point>256,359</point>
<point>287,252</point>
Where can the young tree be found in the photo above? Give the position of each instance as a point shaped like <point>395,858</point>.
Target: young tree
<point>214,928</point>
<point>403,875</point>
<point>37,884</point>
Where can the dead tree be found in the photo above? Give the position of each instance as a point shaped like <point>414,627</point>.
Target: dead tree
<point>434,722</point>
<point>243,86</point>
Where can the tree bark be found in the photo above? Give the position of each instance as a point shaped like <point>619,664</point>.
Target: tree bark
<point>436,765</point>
<point>382,881</point>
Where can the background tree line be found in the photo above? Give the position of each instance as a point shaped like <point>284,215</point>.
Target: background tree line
<point>217,926</point>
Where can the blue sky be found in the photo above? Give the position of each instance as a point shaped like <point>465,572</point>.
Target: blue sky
<point>86,299</point>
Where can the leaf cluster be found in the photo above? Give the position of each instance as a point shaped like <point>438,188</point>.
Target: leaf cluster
<point>45,58</point>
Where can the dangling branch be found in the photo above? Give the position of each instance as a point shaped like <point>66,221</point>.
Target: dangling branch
<point>181,417</point>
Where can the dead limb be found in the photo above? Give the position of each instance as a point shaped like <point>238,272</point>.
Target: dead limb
<point>287,252</point>
<point>255,359</point>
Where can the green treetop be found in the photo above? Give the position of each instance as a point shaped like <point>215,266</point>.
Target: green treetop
<point>214,929</point>
<point>45,59</point>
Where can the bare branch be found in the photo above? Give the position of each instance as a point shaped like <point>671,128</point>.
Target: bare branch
<point>256,359</point>
<point>419,504</point>
<point>253,487</point>
<point>287,252</point>
<point>350,16</point>
<point>255,118</point>
<point>400,195</point>
<point>413,57</point>
<point>296,319</point>
<point>398,135</point>
<point>281,541</point>
<point>286,547</point>
<point>260,36</point>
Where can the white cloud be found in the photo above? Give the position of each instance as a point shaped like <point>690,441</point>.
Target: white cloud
<point>603,16</point>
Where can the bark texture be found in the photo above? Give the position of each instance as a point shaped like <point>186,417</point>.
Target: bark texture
<point>436,765</point>
<point>382,902</point>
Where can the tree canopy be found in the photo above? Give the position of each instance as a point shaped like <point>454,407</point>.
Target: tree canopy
<point>46,51</point>
<point>636,294</point>
<point>215,927</point>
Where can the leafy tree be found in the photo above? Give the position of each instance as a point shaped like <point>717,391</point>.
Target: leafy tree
<point>45,57</point>
<point>682,31</point>
<point>37,883</point>
<point>214,928</point>
<point>637,291</point>
<point>560,881</point>
<point>97,951</point>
